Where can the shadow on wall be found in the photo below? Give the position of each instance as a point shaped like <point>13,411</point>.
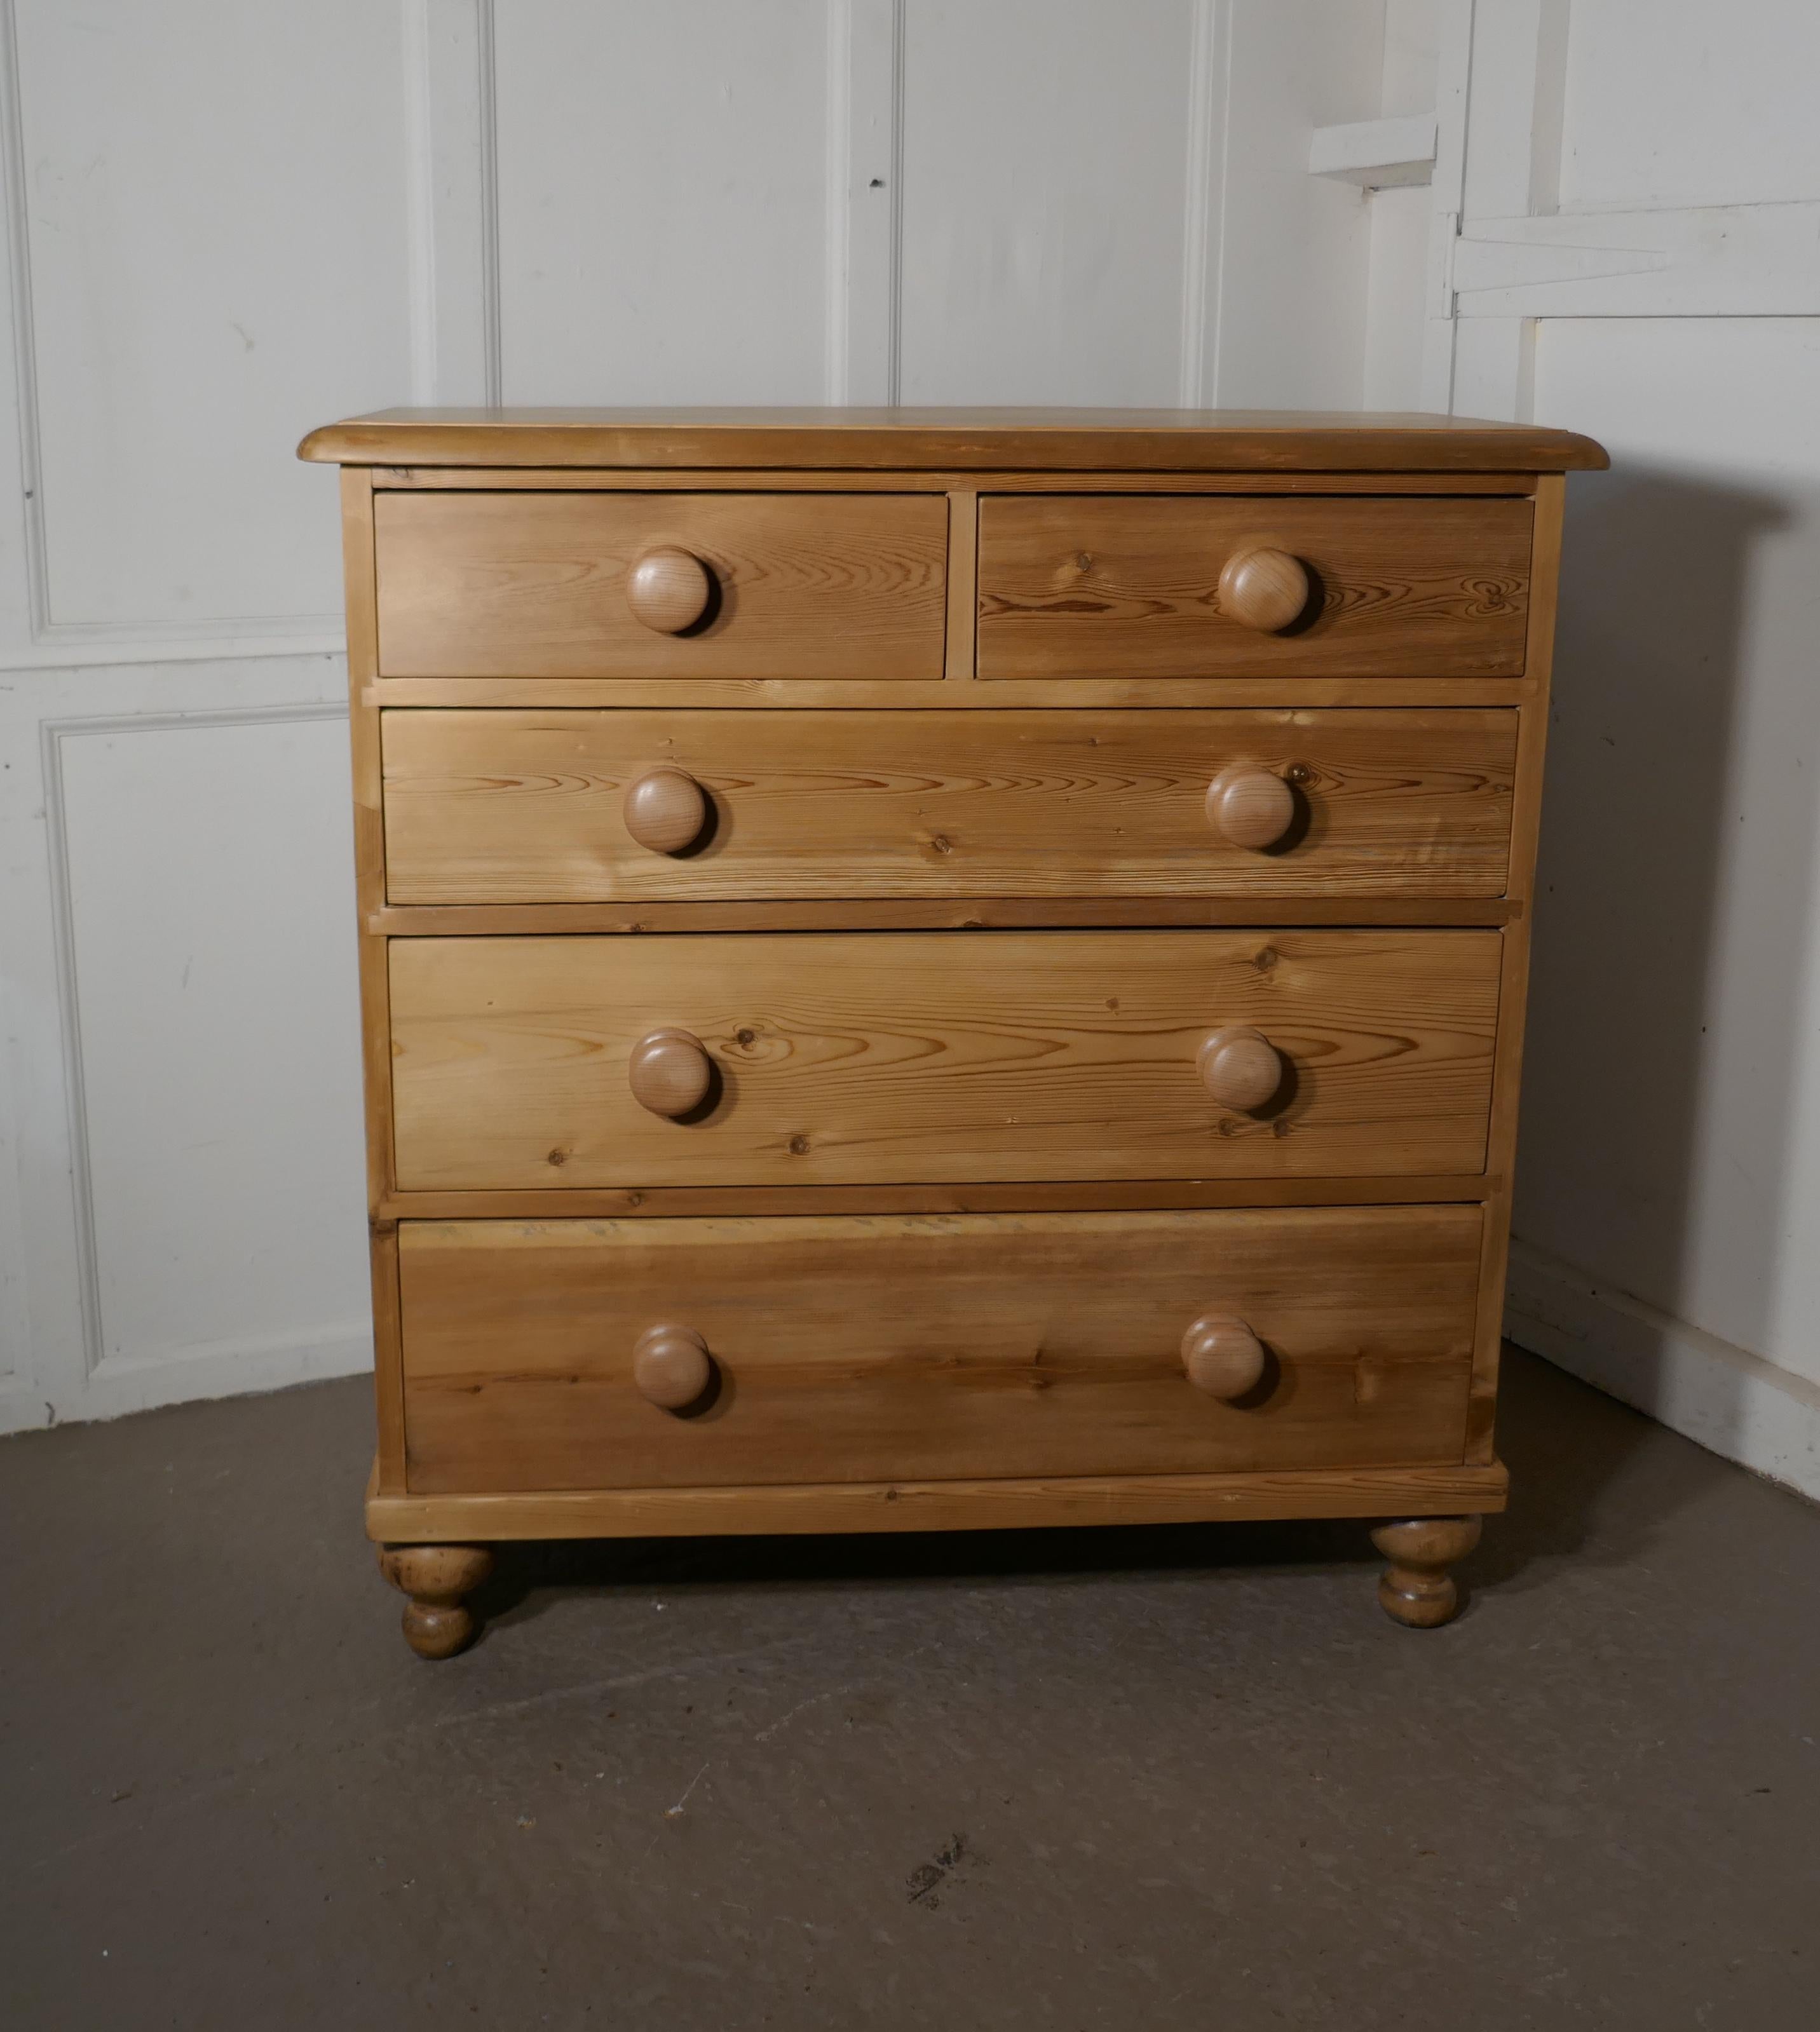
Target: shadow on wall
<point>1653,907</point>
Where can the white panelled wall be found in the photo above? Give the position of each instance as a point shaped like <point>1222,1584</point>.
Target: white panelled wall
<point>229,220</point>
<point>1637,255</point>
<point>1620,234</point>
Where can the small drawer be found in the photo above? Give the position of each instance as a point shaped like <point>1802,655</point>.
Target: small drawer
<point>943,1057</point>
<point>504,807</point>
<point>1148,586</point>
<point>660,585</point>
<point>562,1354</point>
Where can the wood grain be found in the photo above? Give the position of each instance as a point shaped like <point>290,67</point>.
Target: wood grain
<point>1087,586</point>
<point>388,1371</point>
<point>436,1623</point>
<point>931,479</point>
<point>369,821</point>
<point>857,693</point>
<point>1026,1196</point>
<point>1263,589</point>
<point>482,585</point>
<point>672,1367</point>
<point>413,921</point>
<point>668,589</point>
<point>852,1058</point>
<point>1252,806</point>
<point>866,1349</point>
<point>1514,985</point>
<point>1220,440</point>
<point>525,807</point>
<point>963,563</point>
<point>670,1072</point>
<point>1416,1589</point>
<point>942,1505</point>
<point>375,1016</point>
<point>1221,1355</point>
<point>663,811</point>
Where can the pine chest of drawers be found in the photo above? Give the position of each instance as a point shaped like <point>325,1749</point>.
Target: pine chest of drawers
<point>933,969</point>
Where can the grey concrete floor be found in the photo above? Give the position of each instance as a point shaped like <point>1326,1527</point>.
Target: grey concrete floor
<point>1130,1779</point>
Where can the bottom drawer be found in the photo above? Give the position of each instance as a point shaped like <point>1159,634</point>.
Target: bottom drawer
<point>908,1347</point>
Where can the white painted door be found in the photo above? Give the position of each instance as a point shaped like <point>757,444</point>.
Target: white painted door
<point>1627,243</point>
<point>194,195</point>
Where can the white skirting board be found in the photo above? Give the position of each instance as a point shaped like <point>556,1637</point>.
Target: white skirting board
<point>1733,1402</point>
<point>228,1368</point>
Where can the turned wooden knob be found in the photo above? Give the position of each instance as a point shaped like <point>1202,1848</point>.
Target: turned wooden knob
<point>668,589</point>
<point>669,1072</point>
<point>1222,1355</point>
<point>1263,588</point>
<point>1240,1066</point>
<point>1251,807</point>
<point>665,809</point>
<point>671,1367</point>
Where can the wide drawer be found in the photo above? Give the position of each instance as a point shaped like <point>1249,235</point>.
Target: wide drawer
<point>1131,586</point>
<point>873,1057</point>
<point>729,585</point>
<point>503,807</point>
<point>866,1349</point>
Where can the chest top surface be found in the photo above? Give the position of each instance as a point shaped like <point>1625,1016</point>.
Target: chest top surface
<point>1050,440</point>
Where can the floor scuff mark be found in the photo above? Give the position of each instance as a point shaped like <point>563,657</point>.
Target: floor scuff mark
<point>928,1878</point>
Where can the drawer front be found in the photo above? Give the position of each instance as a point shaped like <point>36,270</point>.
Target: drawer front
<point>871,1057</point>
<point>851,1350</point>
<point>1131,586</point>
<point>744,586</point>
<point>502,807</point>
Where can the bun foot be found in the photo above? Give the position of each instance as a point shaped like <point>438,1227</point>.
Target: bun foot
<point>435,1577</point>
<point>1417,1588</point>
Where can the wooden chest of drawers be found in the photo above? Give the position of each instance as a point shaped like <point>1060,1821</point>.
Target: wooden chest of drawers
<point>933,969</point>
